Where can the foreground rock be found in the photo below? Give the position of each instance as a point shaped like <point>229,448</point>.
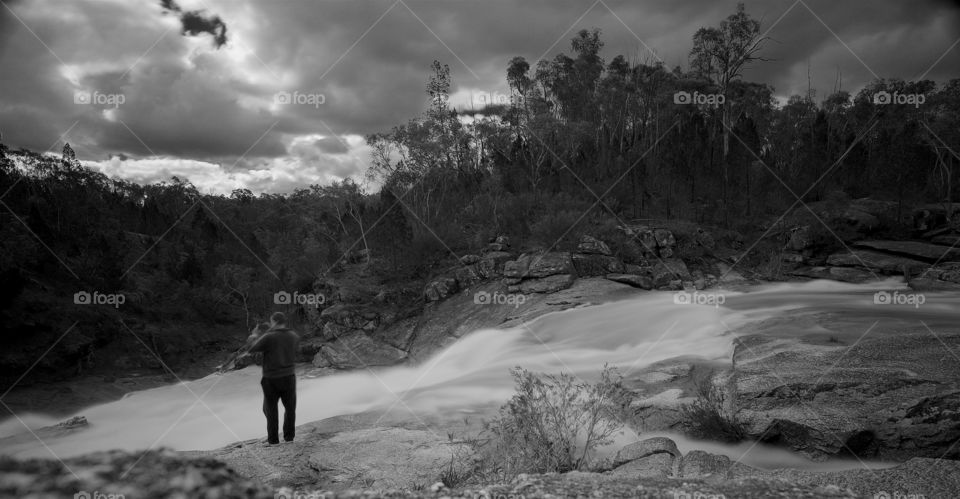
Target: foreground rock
<point>889,396</point>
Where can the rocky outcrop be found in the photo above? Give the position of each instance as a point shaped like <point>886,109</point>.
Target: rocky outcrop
<point>843,274</point>
<point>877,262</point>
<point>440,288</point>
<point>592,265</point>
<point>357,350</point>
<point>670,273</point>
<point>892,397</point>
<point>548,284</point>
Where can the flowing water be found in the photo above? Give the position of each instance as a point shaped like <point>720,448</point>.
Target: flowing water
<point>474,371</point>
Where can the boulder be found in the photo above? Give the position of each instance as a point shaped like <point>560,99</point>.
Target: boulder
<point>469,259</point>
<point>491,265</point>
<point>644,448</point>
<point>357,350</point>
<point>548,264</point>
<point>667,270</point>
<point>466,276</point>
<point>547,284</point>
<point>799,239</point>
<point>592,246</point>
<point>637,281</point>
<point>664,238</point>
<point>700,464</point>
<point>704,239</point>
<point>440,288</point>
<point>597,265</point>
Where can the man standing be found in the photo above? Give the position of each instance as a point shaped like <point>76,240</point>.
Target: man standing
<point>280,346</point>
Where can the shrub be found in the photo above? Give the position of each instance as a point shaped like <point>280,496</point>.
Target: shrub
<point>707,418</point>
<point>554,423</point>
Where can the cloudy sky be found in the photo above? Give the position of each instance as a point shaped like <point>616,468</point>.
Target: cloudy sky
<point>147,89</point>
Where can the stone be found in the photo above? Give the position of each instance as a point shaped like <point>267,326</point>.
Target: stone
<point>664,238</point>
<point>667,270</point>
<point>547,284</point>
<point>876,261</point>
<point>644,448</point>
<point>548,264</point>
<point>357,350</point>
<point>466,276</point>
<point>637,281</point>
<point>592,246</point>
<point>440,288</point>
<point>701,464</point>
<point>469,259</point>
<point>597,265</point>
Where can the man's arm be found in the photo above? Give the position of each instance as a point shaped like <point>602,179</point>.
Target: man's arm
<point>259,344</point>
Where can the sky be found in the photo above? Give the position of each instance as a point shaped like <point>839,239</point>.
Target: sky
<point>275,95</point>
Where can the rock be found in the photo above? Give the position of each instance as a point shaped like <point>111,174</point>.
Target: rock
<point>637,281</point>
<point>704,239</point>
<point>801,395</point>
<point>547,284</point>
<point>799,239</point>
<point>309,348</point>
<point>860,221</point>
<point>548,264</point>
<point>701,464</point>
<point>652,466</point>
<point>637,269</point>
<point>466,276</point>
<point>357,350</point>
<point>491,265</point>
<point>592,246</point>
<point>843,274</point>
<point>469,259</point>
<point>667,270</point>
<point>494,247</point>
<point>596,265</point>
<point>914,249</point>
<point>74,422</point>
<point>351,316</point>
<point>644,448</point>
<point>516,269</point>
<point>791,258</point>
<point>386,458</point>
<point>440,288</point>
<point>876,261</point>
<point>664,238</point>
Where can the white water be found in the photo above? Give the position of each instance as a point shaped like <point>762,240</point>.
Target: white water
<point>474,371</point>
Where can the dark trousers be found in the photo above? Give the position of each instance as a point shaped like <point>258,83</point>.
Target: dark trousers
<point>283,389</point>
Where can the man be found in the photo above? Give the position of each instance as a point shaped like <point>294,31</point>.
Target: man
<point>280,346</point>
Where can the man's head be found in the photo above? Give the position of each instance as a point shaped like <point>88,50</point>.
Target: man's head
<point>278,319</point>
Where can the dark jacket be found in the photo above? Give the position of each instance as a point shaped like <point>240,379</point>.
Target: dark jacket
<point>280,347</point>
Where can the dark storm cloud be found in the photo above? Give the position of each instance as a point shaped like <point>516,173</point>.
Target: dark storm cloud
<point>370,59</point>
<point>195,22</point>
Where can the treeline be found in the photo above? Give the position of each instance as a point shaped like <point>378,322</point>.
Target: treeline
<point>637,140</point>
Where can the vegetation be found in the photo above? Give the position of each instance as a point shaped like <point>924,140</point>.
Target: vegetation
<point>707,418</point>
<point>554,423</point>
